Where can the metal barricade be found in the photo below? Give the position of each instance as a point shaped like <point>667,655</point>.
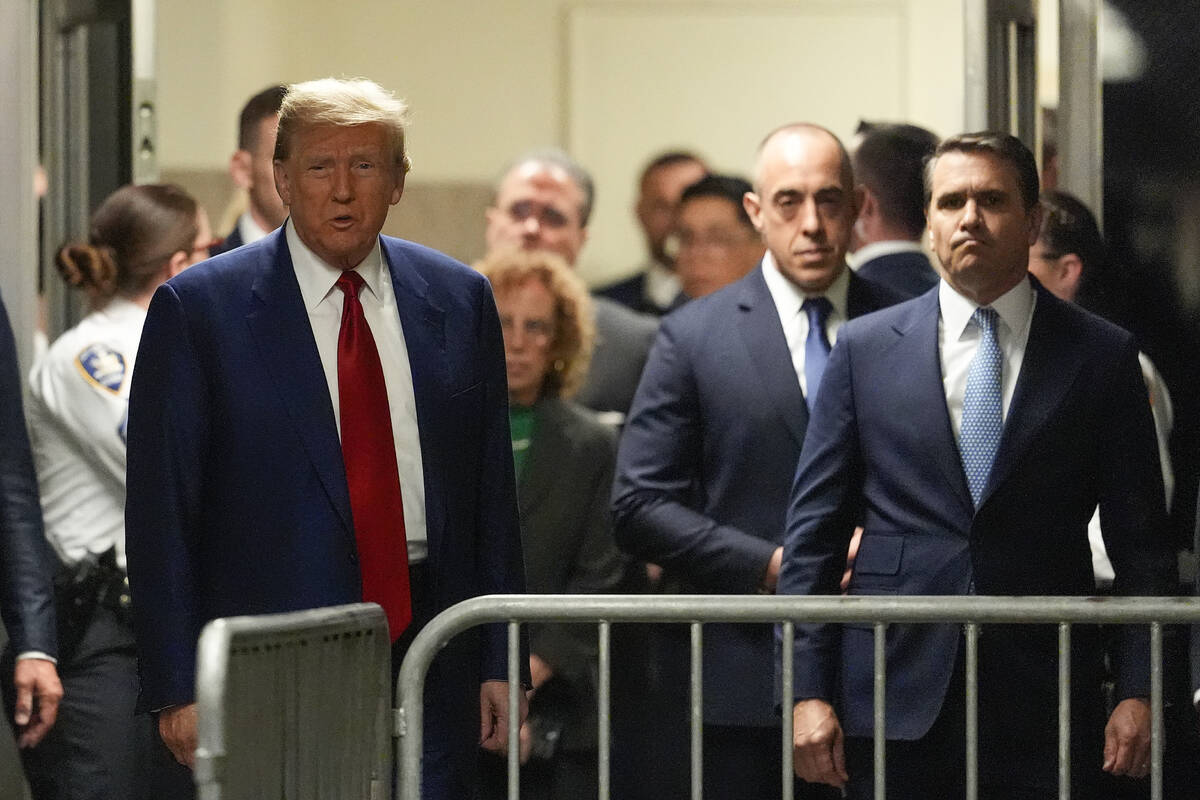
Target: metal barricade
<point>295,706</point>
<point>696,610</point>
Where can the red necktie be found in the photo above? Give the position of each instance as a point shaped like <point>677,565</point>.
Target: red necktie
<point>369,452</point>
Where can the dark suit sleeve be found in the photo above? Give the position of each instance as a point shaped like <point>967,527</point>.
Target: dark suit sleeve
<point>820,521</point>
<point>659,469</point>
<point>168,424</point>
<point>1132,512</point>
<point>597,566</point>
<point>502,566</point>
<point>26,562</point>
<point>1195,632</point>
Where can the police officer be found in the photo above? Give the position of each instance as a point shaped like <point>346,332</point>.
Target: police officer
<point>139,237</point>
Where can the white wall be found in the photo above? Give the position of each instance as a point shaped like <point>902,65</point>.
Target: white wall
<point>489,78</point>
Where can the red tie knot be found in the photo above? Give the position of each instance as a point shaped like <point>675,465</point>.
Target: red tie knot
<point>350,282</point>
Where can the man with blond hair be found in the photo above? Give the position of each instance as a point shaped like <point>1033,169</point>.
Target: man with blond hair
<point>321,418</point>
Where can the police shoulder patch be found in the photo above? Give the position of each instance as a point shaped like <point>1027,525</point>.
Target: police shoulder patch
<point>102,366</point>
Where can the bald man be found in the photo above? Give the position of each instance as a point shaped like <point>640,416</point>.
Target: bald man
<point>710,448</point>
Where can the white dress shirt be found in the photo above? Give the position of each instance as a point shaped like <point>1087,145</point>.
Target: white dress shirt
<point>958,339</point>
<point>874,250</point>
<point>662,285</point>
<point>789,297</point>
<point>249,229</point>
<point>323,301</point>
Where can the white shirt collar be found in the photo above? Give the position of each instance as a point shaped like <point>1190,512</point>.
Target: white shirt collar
<point>789,297</point>
<point>876,249</point>
<point>1014,307</point>
<point>249,229</point>
<point>317,279</point>
<point>662,285</point>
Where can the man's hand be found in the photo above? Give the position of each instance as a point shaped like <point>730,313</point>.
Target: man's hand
<point>1127,739</point>
<point>177,727</point>
<point>851,554</point>
<point>38,693</point>
<point>493,715</point>
<point>817,743</point>
<point>539,671</point>
<point>771,576</point>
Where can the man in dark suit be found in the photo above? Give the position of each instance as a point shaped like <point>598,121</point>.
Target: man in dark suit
<point>321,418</point>
<point>654,287</point>
<point>252,169</point>
<point>971,432</point>
<point>710,448</point>
<point>26,564</point>
<point>543,202</point>
<point>888,164</point>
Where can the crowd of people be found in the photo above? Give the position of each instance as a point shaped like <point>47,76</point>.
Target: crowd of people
<point>789,397</point>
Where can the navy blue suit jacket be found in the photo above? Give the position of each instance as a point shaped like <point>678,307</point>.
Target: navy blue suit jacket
<point>26,560</point>
<point>237,497</point>
<point>231,242</point>
<point>881,453</point>
<point>705,464</point>
<point>908,273</point>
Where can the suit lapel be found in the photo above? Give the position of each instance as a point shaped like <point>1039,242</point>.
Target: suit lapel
<point>762,334</point>
<point>279,324</point>
<point>930,416</point>
<point>423,324</point>
<point>1048,369</point>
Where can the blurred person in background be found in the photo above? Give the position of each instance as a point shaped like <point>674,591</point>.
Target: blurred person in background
<point>564,462</point>
<point>889,160</point>
<point>716,243</point>
<point>139,237</point>
<point>654,288</point>
<point>544,201</point>
<point>252,168</point>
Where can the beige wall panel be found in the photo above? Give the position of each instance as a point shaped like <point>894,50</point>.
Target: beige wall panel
<point>489,78</point>
<point>716,78</point>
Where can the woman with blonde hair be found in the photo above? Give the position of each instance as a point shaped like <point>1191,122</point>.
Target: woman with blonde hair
<point>565,459</point>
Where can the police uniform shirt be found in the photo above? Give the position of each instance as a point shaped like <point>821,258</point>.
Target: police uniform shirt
<point>78,409</point>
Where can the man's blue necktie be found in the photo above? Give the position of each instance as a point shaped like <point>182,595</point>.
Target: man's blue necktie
<point>816,346</point>
<point>982,419</point>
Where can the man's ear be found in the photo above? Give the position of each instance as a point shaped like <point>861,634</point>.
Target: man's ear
<point>864,201</point>
<point>1034,217</point>
<point>282,183</point>
<point>1070,272</point>
<point>177,264</point>
<point>240,168</point>
<point>398,192</point>
<point>753,206</point>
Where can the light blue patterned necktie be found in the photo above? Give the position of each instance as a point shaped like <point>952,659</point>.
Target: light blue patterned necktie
<point>982,419</point>
<point>816,346</point>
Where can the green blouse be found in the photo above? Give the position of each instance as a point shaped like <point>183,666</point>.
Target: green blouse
<point>520,422</point>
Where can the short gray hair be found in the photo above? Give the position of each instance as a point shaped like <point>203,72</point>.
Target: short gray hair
<point>340,101</point>
<point>555,157</point>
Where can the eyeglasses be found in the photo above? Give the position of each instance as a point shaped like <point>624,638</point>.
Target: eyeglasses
<point>548,216</point>
<point>540,331</point>
<point>716,240</point>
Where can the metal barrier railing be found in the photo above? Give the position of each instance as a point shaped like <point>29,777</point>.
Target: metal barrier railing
<point>604,610</point>
<point>295,705</point>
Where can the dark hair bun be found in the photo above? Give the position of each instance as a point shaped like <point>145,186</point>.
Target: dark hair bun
<point>88,267</point>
